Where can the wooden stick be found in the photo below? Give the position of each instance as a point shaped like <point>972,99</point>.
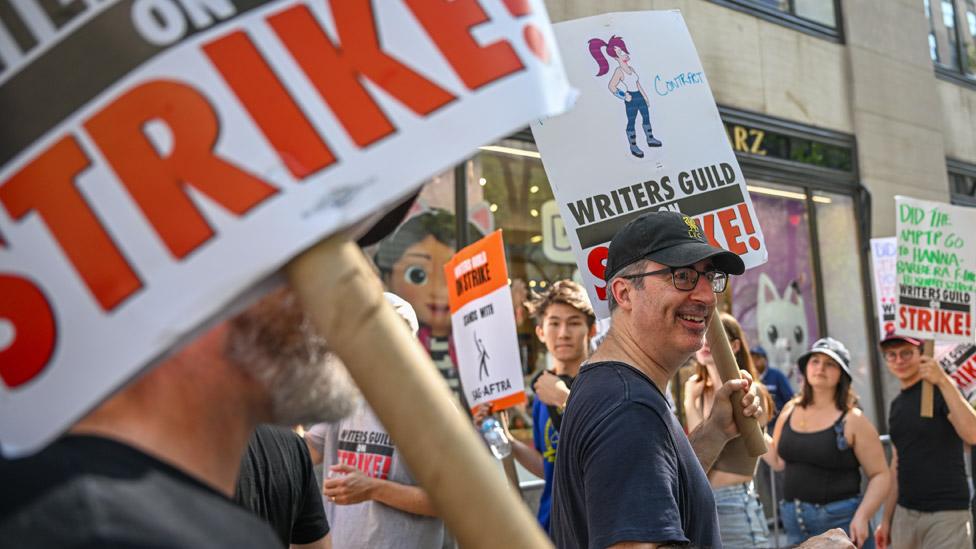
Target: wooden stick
<point>728,369</point>
<point>344,300</point>
<point>928,349</point>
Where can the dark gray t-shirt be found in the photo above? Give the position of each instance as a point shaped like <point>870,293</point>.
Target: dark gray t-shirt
<point>625,470</point>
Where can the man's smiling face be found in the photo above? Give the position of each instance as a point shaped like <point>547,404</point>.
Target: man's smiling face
<point>674,320</point>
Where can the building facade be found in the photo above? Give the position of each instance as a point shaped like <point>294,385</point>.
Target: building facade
<point>833,108</point>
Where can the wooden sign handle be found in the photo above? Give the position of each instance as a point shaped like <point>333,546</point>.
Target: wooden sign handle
<point>728,369</point>
<point>344,300</point>
<point>928,349</point>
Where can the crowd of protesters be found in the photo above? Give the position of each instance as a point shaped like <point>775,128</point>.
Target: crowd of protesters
<point>186,457</point>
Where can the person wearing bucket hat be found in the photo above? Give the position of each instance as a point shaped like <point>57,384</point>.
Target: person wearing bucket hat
<point>625,471</point>
<point>832,348</point>
<point>821,442</point>
<point>928,503</point>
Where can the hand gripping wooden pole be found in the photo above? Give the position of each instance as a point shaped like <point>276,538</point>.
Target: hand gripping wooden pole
<point>928,349</point>
<point>728,369</point>
<point>344,300</point>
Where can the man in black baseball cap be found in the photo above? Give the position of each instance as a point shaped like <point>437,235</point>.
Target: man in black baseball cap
<point>625,470</point>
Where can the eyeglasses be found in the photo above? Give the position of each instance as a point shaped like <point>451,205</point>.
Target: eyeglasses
<point>686,278</point>
<point>904,354</point>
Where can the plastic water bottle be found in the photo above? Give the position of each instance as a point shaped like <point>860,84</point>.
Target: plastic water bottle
<point>496,438</point>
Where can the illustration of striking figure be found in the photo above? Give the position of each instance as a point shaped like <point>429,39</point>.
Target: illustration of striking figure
<point>482,357</point>
<point>632,93</point>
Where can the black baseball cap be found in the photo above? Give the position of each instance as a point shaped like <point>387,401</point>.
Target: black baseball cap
<point>669,238</point>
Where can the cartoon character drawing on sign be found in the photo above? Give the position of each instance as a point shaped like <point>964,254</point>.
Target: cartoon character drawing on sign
<point>782,324</point>
<point>482,357</point>
<point>411,264</point>
<point>632,93</point>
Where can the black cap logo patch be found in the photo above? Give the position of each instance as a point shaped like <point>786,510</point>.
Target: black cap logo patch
<point>693,230</point>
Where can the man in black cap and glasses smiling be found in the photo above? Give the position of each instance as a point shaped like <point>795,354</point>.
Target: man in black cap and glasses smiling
<point>626,473</point>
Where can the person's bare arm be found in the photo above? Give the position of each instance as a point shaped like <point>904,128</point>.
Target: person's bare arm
<point>325,542</point>
<point>870,454</point>
<point>528,456</point>
<point>772,457</point>
<point>961,414</point>
<point>693,416</point>
<point>719,427</point>
<point>313,451</point>
<point>551,390</point>
<point>352,486</point>
<point>412,499</point>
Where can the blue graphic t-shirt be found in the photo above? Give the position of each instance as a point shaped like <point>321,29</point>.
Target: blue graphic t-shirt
<point>546,437</point>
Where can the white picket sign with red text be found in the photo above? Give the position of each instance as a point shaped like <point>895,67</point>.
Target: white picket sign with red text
<point>160,157</point>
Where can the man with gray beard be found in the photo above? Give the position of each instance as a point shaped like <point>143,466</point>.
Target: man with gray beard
<point>156,463</point>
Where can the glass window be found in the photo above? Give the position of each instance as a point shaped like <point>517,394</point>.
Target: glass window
<point>517,194</point>
<point>821,11</point>
<point>776,302</point>
<point>800,13</point>
<point>962,184</point>
<point>843,292</point>
<point>952,31</point>
<point>411,264</point>
<point>968,36</point>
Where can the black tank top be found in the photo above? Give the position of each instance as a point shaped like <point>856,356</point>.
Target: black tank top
<point>816,470</point>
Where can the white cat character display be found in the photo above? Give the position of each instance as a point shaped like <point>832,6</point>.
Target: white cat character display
<point>781,323</point>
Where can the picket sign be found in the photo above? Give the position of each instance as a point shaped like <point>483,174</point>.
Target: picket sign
<point>645,135</point>
<point>960,364</point>
<point>483,324</point>
<point>600,185</point>
<point>160,157</point>
<point>884,256</point>
<point>936,275</point>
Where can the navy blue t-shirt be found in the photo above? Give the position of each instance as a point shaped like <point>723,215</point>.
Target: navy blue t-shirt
<point>779,388</point>
<point>625,470</point>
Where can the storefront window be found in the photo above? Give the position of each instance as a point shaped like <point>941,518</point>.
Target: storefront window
<point>536,245</point>
<point>411,264</point>
<point>843,292</point>
<point>776,302</point>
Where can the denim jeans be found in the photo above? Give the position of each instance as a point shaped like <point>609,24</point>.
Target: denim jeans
<point>741,520</point>
<point>803,520</point>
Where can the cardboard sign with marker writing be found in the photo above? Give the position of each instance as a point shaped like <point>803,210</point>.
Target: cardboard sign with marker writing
<point>936,270</point>
<point>483,322</point>
<point>158,158</point>
<point>884,256</point>
<point>960,364</point>
<point>644,135</point>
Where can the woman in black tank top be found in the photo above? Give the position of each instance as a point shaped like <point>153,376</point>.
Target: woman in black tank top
<point>821,442</point>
